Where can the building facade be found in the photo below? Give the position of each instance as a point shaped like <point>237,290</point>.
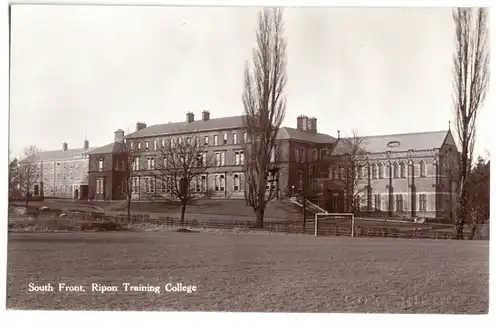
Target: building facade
<point>405,175</point>
<point>61,173</point>
<point>223,142</point>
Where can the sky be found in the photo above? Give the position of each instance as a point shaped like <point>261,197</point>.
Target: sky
<point>86,71</point>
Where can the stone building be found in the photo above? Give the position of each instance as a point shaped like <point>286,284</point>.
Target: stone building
<point>106,171</point>
<point>62,173</point>
<point>407,175</point>
<point>223,141</point>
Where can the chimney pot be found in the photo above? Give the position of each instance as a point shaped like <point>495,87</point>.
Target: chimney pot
<point>65,146</point>
<point>86,145</point>
<point>189,117</point>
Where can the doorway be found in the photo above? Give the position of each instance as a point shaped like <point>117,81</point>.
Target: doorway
<point>76,194</point>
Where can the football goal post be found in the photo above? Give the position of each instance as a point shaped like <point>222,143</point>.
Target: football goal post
<point>328,222</point>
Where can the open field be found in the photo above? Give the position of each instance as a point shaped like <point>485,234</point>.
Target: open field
<point>250,272</point>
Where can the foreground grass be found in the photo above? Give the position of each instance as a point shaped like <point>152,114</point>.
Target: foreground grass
<point>250,272</point>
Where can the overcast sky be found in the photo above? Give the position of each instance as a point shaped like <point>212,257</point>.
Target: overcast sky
<point>90,70</point>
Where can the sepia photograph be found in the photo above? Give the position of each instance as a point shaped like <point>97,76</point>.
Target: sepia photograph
<point>248,159</point>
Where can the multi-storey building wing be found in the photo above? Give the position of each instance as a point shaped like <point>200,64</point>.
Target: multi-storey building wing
<point>223,142</point>
<point>62,173</point>
<point>407,174</point>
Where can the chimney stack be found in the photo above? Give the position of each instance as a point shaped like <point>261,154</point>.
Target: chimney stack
<point>85,145</point>
<point>119,134</point>
<point>205,115</point>
<point>65,146</point>
<point>189,117</point>
<point>312,124</point>
<point>140,126</point>
<point>302,123</point>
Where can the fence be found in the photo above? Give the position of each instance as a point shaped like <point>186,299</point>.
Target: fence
<point>426,232</point>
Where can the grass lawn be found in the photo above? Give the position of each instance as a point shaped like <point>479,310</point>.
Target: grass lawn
<point>249,272</point>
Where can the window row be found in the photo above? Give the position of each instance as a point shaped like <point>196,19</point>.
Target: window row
<point>381,171</point>
<point>173,142</point>
<point>202,183</point>
<point>300,154</point>
<point>400,202</point>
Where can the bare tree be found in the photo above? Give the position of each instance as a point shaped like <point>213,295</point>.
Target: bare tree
<point>179,171</point>
<point>264,103</point>
<point>471,80</point>
<point>350,167</point>
<point>129,168</point>
<point>28,171</point>
<point>13,177</point>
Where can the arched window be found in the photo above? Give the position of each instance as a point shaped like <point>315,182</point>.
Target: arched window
<point>423,168</point>
<point>402,168</point>
<point>395,170</point>
<point>374,171</point>
<point>236,182</point>
<point>381,169</point>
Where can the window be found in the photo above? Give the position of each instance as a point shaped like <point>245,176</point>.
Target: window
<point>315,154</point>
<point>197,141</point>
<point>219,158</point>
<point>154,144</point>
<point>219,182</point>
<point>402,169</point>
<point>323,153</point>
<point>135,185</point>
<point>206,140</point>
<point>244,137</point>
<point>203,183</point>
<point>359,172</point>
<point>131,145</point>
<point>236,182</point>
<point>273,154</point>
<point>381,171</point>
<point>395,170</point>
<point>138,145</point>
<point>399,203</point>
<point>150,185</point>
<point>225,139</point>
<point>135,164</point>
<point>101,164</point>
<point>422,201</point>
<point>301,155</point>
<point>271,179</point>
<point>239,157</point>
<point>216,140</point>
<point>201,159</point>
<point>235,138</point>
<point>423,169</point>
<point>374,172</point>
<point>146,146</point>
<point>99,186</point>
<point>162,143</point>
<point>151,163</point>
<point>166,185</point>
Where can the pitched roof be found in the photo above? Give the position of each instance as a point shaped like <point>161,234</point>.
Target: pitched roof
<point>396,142</point>
<point>184,127</point>
<point>114,147</point>
<point>60,155</point>
<point>295,134</point>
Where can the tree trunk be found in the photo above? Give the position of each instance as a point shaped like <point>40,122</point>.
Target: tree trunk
<point>129,203</point>
<point>183,211</point>
<point>27,200</point>
<point>260,217</point>
<point>461,212</point>
<point>304,205</point>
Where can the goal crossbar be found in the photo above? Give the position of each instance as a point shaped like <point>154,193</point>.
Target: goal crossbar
<point>317,215</point>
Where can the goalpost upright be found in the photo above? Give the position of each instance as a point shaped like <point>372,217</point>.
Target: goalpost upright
<point>339,215</point>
